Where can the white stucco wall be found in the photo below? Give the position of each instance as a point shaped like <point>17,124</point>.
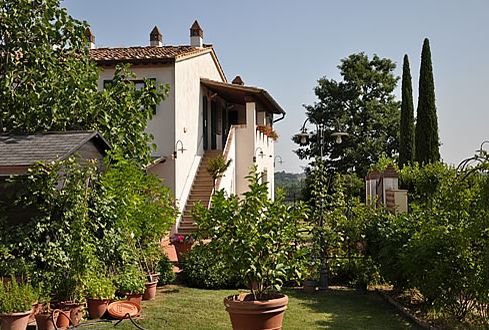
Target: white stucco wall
<point>228,181</point>
<point>188,117</point>
<point>263,142</point>
<point>161,125</point>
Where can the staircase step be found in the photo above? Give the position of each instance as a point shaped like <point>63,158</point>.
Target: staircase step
<point>201,192</point>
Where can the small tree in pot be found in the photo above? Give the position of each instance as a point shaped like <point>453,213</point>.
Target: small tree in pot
<point>99,291</point>
<point>259,239</point>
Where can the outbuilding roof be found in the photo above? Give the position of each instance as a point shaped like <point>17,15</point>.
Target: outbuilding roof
<point>26,150</point>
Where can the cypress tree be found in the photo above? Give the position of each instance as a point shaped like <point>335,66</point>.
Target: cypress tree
<point>406,140</point>
<point>427,140</point>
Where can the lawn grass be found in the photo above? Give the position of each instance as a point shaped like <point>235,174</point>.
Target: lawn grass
<point>182,308</point>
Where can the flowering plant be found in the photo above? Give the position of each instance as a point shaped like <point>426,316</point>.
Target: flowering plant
<point>179,238</point>
<point>268,131</point>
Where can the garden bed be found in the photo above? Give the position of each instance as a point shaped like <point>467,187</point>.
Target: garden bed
<point>410,303</point>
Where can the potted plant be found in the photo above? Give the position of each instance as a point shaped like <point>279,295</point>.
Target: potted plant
<point>217,167</point>
<point>69,300</point>
<point>182,244</point>
<point>131,283</point>
<point>149,258</point>
<point>99,291</point>
<point>258,238</point>
<point>16,300</point>
<point>46,317</point>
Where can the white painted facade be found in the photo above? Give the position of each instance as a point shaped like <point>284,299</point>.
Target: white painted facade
<point>179,124</point>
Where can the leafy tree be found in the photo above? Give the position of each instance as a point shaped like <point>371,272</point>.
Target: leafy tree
<point>406,139</point>
<point>291,184</point>
<point>48,81</point>
<point>427,140</point>
<point>362,105</point>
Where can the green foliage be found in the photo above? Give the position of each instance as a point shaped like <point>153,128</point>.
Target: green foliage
<point>217,167</point>
<point>255,236</point>
<point>291,184</point>
<point>363,105</point>
<point>427,140</point>
<point>16,297</point>
<point>424,181</point>
<point>55,244</point>
<point>406,138</point>
<point>99,286</point>
<point>83,217</point>
<point>201,269</point>
<point>48,81</point>
<point>136,211</point>
<point>441,247</point>
<point>165,269</point>
<point>130,280</point>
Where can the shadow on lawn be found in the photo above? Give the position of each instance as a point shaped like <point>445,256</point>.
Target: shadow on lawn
<point>348,309</point>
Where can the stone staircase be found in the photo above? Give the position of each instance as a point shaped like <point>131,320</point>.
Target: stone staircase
<point>201,191</point>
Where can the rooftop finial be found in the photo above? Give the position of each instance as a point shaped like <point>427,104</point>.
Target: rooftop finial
<point>196,35</point>
<point>155,37</point>
<point>90,37</point>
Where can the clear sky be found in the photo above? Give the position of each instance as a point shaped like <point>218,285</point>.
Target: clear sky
<point>285,46</point>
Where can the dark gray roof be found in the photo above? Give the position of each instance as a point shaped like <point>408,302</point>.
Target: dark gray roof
<point>25,150</point>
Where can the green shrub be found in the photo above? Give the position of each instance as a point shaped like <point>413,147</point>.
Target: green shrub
<point>16,297</point>
<point>203,269</point>
<point>98,286</point>
<point>165,268</point>
<point>130,280</point>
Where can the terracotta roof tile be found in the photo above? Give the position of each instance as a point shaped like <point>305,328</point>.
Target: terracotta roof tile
<point>147,54</point>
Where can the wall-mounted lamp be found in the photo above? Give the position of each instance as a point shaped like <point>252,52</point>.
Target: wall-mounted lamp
<point>177,149</point>
<point>280,161</point>
<point>261,154</point>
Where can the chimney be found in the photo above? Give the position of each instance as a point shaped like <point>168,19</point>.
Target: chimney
<point>90,37</point>
<point>196,35</point>
<point>238,81</point>
<point>155,37</point>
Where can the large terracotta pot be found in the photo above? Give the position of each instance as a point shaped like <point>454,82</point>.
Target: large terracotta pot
<point>256,315</point>
<point>135,298</point>
<point>46,321</point>
<point>182,247</point>
<point>150,292</point>
<point>97,307</point>
<point>63,320</point>
<point>15,321</point>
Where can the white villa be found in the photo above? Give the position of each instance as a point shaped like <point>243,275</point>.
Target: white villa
<point>203,116</point>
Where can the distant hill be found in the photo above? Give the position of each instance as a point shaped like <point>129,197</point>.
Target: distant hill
<point>291,183</point>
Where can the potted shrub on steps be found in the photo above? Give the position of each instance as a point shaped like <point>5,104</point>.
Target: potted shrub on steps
<point>259,239</point>
<point>182,243</point>
<point>99,291</point>
<point>16,300</point>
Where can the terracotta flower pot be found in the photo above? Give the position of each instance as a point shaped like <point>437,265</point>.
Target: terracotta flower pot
<point>256,315</point>
<point>182,247</point>
<point>63,320</point>
<point>150,292</point>
<point>97,307</point>
<point>46,321</point>
<point>15,321</point>
<point>135,298</point>
<point>69,311</point>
